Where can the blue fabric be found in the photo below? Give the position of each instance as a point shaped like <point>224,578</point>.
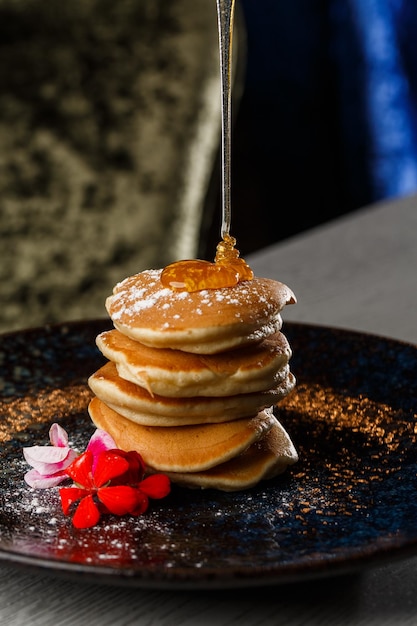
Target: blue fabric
<point>335,86</point>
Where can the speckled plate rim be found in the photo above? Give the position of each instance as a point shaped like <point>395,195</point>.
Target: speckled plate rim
<point>384,549</point>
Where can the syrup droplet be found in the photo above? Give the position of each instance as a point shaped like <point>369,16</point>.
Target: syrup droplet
<point>195,275</point>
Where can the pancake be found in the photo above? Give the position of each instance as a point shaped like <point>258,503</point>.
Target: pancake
<point>138,405</point>
<point>182,449</point>
<point>203,322</point>
<point>264,459</point>
<point>192,379</point>
<point>174,373</point>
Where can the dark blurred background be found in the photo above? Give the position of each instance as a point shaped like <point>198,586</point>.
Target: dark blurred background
<point>109,134</point>
<point>327,120</point>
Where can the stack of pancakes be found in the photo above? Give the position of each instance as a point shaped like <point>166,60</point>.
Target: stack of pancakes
<point>192,379</point>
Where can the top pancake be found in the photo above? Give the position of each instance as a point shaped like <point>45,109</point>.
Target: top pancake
<point>203,322</point>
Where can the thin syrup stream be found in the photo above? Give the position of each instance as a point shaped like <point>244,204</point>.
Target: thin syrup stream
<point>228,269</point>
<point>225,15</point>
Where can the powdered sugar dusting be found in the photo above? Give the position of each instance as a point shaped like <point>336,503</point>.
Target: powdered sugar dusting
<point>137,300</point>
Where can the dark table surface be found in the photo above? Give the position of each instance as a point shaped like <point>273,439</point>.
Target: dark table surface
<point>357,272</point>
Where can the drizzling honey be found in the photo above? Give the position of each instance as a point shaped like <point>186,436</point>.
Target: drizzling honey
<point>227,256</point>
<point>228,268</point>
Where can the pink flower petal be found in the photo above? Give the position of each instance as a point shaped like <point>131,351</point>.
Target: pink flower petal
<point>58,436</point>
<point>48,459</point>
<point>99,442</point>
<point>37,481</point>
<point>45,454</point>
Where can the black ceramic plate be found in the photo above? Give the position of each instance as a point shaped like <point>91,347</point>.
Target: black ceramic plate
<point>350,501</point>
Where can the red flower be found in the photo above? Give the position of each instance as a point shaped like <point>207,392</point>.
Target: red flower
<point>113,482</point>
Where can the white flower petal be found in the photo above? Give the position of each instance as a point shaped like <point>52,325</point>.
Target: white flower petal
<point>48,459</point>
<point>37,481</point>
